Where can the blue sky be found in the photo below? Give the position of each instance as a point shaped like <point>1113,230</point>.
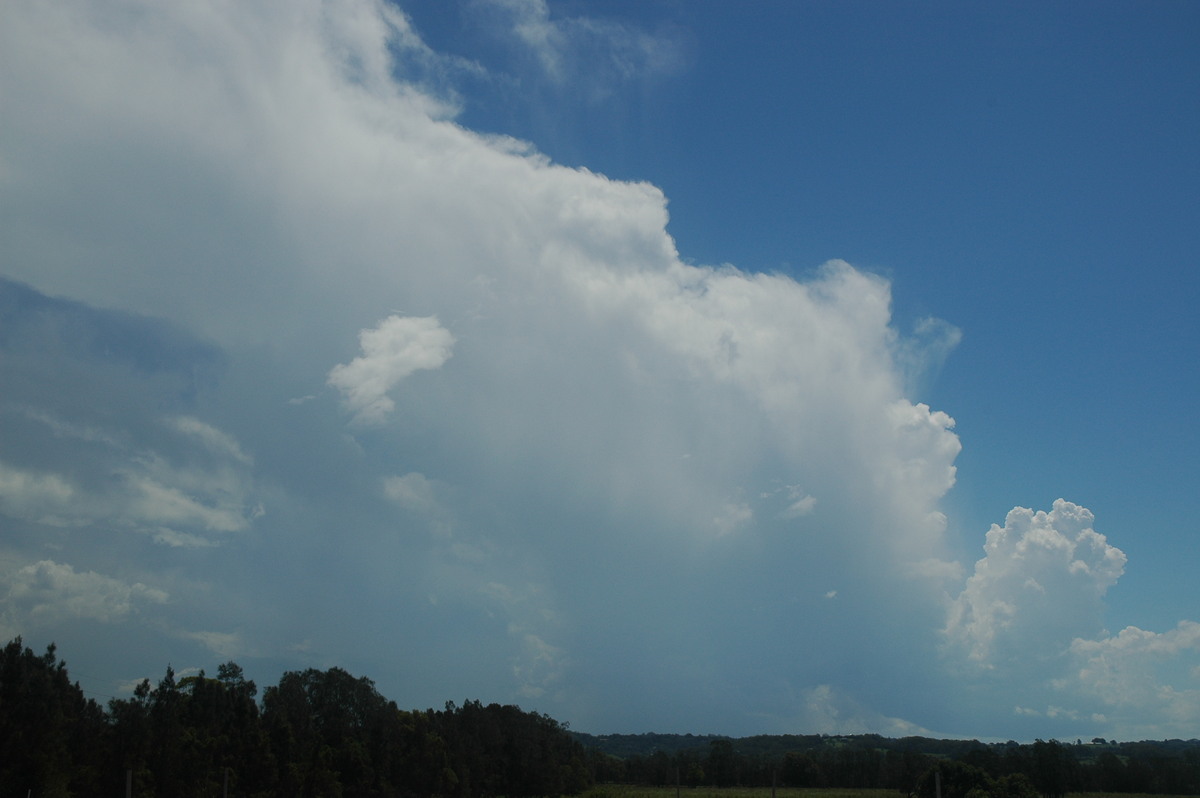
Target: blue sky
<point>660,366</point>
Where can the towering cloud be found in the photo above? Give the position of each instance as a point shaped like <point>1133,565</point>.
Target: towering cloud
<point>662,494</point>
<point>1040,585</point>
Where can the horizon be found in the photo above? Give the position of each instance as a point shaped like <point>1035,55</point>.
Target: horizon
<point>188,673</point>
<point>790,368</point>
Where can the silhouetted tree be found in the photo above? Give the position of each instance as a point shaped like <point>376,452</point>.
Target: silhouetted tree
<point>48,730</point>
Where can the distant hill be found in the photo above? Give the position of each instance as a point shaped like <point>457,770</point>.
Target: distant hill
<point>1051,768</point>
<point>646,744</point>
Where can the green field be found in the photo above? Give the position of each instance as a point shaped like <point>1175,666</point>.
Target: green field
<point>634,791</point>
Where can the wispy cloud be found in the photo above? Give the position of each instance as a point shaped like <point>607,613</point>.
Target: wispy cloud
<point>585,53</point>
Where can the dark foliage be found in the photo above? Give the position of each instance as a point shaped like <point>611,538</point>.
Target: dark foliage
<point>47,727</point>
<point>328,733</point>
<point>316,733</point>
<point>911,765</point>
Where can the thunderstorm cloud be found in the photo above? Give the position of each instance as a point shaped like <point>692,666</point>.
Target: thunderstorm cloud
<point>661,494</point>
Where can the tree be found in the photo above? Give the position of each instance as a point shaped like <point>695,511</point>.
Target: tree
<point>720,765</point>
<point>800,770</point>
<point>129,722</point>
<point>956,779</point>
<point>501,750</point>
<point>1053,768</point>
<point>48,729</point>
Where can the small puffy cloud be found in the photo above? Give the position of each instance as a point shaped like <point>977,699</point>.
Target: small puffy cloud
<point>411,491</point>
<point>48,592</point>
<point>732,516</point>
<point>397,347</point>
<point>802,504</point>
<point>1039,586</point>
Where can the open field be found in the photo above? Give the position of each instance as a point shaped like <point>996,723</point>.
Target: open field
<point>635,791</point>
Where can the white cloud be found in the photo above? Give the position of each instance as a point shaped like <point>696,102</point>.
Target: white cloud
<point>203,486</point>
<point>32,495</point>
<point>1028,625</point>
<point>586,54</point>
<point>1138,675</point>
<point>731,516</point>
<point>802,505</point>
<point>152,502</point>
<point>825,709</point>
<point>393,350</point>
<point>531,23</point>
<point>49,592</point>
<point>65,429</point>
<point>936,570</point>
<point>588,357</point>
<point>1040,585</point>
<point>180,540</point>
<point>411,491</point>
<point>221,443</point>
<point>226,645</point>
<point>538,666</point>
<point>923,354</point>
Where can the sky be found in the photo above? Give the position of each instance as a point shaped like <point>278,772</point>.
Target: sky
<point>709,367</point>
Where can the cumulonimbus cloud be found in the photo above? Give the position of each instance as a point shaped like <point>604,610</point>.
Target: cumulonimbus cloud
<point>650,479</point>
<point>612,414</point>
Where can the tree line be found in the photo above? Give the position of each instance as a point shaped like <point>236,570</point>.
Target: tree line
<point>328,733</point>
<point>315,733</point>
<point>911,765</point>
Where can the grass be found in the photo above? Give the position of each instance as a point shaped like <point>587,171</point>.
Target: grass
<point>1120,795</point>
<point>635,791</point>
